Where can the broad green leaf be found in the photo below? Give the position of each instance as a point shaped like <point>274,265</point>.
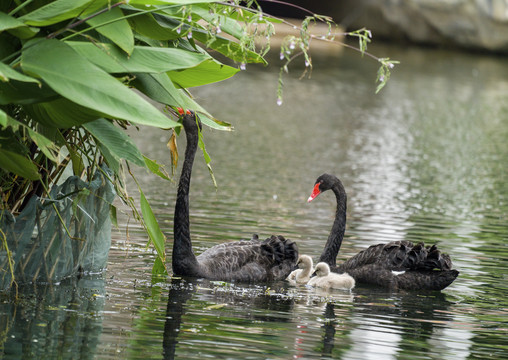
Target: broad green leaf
<point>207,72</point>
<point>3,118</point>
<point>62,113</point>
<point>154,232</point>
<point>60,10</point>
<point>148,26</point>
<point>112,161</point>
<point>6,73</point>
<point>168,2</point>
<point>144,59</point>
<point>155,168</point>
<point>9,22</point>
<point>160,88</point>
<point>18,164</point>
<point>75,78</point>
<point>115,140</point>
<point>45,145</point>
<point>48,147</point>
<point>17,92</point>
<point>16,27</point>
<point>117,30</point>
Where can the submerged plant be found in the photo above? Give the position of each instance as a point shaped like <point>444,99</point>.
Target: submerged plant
<point>68,68</point>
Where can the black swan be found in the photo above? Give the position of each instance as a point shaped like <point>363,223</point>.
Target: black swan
<point>246,260</point>
<point>396,265</point>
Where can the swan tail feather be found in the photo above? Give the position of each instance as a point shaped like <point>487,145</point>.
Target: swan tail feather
<point>401,255</point>
<point>283,255</point>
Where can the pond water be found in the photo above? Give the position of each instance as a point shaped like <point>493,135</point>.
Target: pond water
<point>424,160</point>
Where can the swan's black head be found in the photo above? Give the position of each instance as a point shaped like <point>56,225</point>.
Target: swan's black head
<point>189,120</point>
<point>323,183</point>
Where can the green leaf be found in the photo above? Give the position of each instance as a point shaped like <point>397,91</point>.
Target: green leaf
<point>168,2</point>
<point>148,26</point>
<point>154,232</point>
<point>16,27</point>
<point>144,59</point>
<point>6,73</point>
<point>118,31</point>
<point>16,92</point>
<point>160,88</point>
<point>3,118</point>
<point>48,147</point>
<point>207,157</point>
<point>45,145</point>
<point>78,80</point>
<point>61,113</point>
<point>159,271</point>
<point>113,162</point>
<point>207,72</point>
<point>18,164</point>
<point>113,216</point>
<point>115,140</point>
<point>155,168</point>
<point>60,10</point>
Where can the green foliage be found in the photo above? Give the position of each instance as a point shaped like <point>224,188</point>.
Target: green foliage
<point>74,74</point>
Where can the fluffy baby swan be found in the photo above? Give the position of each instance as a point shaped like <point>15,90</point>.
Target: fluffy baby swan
<point>328,280</point>
<point>302,274</point>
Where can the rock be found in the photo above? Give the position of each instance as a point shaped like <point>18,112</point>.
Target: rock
<point>472,24</point>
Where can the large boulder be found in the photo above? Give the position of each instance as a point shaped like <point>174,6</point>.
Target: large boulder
<point>472,24</point>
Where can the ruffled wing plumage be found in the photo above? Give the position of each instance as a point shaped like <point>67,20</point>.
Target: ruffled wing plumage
<point>250,261</point>
<point>401,265</point>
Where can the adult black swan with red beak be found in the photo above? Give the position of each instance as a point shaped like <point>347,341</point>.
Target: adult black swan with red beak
<point>246,260</point>
<point>395,265</point>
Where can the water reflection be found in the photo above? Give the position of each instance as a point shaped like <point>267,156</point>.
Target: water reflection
<point>53,321</point>
<point>367,324</point>
<point>425,160</point>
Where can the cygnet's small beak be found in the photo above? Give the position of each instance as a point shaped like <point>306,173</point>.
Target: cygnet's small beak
<point>313,274</point>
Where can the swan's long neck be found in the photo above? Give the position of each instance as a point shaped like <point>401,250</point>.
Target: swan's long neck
<point>184,260</point>
<point>306,271</point>
<point>332,247</point>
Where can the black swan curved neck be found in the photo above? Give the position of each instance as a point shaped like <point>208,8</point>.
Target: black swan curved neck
<point>332,247</point>
<point>184,261</point>
<point>244,260</point>
<point>395,265</point>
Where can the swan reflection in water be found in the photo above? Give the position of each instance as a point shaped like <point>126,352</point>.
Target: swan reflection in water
<point>340,316</point>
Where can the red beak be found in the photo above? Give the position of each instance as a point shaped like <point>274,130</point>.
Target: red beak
<point>182,111</point>
<point>315,192</point>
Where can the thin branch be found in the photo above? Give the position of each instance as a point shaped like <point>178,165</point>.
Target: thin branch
<point>77,23</point>
<point>300,28</point>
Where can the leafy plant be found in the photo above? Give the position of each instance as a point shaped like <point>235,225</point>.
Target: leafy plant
<point>74,74</point>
